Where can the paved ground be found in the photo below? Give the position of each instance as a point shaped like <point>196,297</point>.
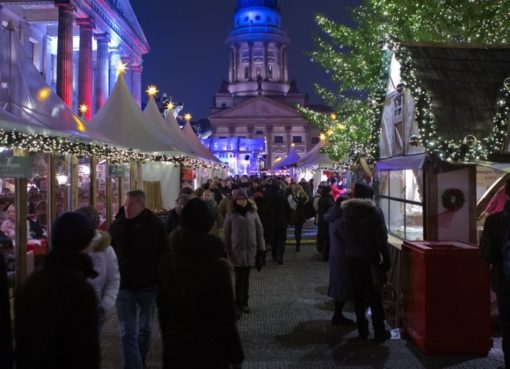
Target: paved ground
<point>289,328</point>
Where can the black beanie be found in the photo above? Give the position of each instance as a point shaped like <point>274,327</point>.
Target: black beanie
<point>197,216</point>
<point>72,231</point>
<point>363,191</point>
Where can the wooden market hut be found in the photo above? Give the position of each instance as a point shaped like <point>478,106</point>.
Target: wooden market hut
<point>442,106</point>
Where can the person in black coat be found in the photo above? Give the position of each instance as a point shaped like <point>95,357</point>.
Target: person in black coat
<point>196,301</point>
<point>6,353</point>
<point>362,232</point>
<point>56,308</point>
<point>277,217</point>
<point>325,203</point>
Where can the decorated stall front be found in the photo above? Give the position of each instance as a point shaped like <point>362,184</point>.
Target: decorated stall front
<point>315,164</point>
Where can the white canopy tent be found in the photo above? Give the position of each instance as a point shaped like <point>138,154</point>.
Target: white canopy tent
<point>121,120</point>
<point>313,164</point>
<point>290,160</point>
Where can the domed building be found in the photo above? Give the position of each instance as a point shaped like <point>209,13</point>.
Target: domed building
<point>257,101</point>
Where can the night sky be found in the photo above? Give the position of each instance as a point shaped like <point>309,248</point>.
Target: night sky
<point>188,57</point>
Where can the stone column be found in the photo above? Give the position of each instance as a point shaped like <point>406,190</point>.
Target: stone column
<point>265,72</point>
<point>102,72</point>
<point>237,63</point>
<point>285,67</point>
<point>114,57</point>
<point>280,62</point>
<point>269,148</point>
<point>288,130</point>
<point>85,67</point>
<point>136,83</point>
<point>65,52</point>
<point>250,58</point>
<point>231,64</point>
<point>128,75</point>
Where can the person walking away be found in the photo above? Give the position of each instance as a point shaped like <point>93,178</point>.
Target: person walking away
<point>196,307</point>
<point>56,308</point>
<point>325,202</point>
<point>495,250</point>
<point>277,219</point>
<point>106,284</point>
<point>208,199</point>
<point>244,238</point>
<point>139,238</point>
<point>365,238</point>
<point>340,286</point>
<point>173,219</point>
<point>297,199</point>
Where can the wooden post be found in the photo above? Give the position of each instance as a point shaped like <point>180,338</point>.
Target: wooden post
<point>75,184</point>
<point>93,181</point>
<point>52,194</point>
<point>132,175</point>
<point>108,194</point>
<point>21,202</point>
<point>139,175</point>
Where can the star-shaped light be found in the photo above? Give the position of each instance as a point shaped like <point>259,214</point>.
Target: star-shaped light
<point>187,117</point>
<point>152,90</point>
<point>83,108</point>
<point>121,68</point>
<point>170,105</point>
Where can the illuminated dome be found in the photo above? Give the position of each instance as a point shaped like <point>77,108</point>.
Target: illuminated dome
<point>258,3</point>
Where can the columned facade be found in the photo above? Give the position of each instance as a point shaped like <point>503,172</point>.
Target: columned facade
<point>76,45</point>
<point>258,100</point>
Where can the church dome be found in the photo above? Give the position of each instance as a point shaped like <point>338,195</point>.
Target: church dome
<point>273,4</point>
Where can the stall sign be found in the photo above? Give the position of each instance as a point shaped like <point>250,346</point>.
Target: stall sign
<point>15,167</point>
<point>116,170</point>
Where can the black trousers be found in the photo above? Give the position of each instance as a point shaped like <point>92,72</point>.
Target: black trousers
<point>242,285</point>
<point>365,295</point>
<point>298,231</point>
<point>278,244</point>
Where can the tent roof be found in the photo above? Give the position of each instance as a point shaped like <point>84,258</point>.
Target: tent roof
<point>291,159</point>
<point>314,156</point>
<point>176,130</point>
<point>198,149</point>
<point>121,120</point>
<point>28,97</point>
<point>162,127</point>
<point>463,82</point>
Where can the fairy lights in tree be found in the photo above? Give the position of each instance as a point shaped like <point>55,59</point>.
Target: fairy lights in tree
<point>358,58</point>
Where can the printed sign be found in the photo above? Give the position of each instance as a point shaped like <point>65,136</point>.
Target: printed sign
<point>116,170</point>
<point>15,167</point>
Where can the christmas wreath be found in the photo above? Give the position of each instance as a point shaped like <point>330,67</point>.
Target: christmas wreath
<point>453,199</point>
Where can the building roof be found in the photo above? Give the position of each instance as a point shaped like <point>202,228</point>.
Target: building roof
<point>463,82</point>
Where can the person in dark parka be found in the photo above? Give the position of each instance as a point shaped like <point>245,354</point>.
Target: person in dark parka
<point>324,204</point>
<point>56,308</point>
<point>340,286</point>
<point>365,238</point>
<point>277,217</point>
<point>196,302</point>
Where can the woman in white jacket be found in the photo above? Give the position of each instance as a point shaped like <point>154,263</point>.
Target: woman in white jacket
<point>104,260</point>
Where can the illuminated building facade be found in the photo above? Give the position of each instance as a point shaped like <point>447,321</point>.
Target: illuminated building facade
<point>257,100</point>
<point>77,44</point>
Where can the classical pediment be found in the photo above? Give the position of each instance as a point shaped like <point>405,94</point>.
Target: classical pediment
<point>257,107</point>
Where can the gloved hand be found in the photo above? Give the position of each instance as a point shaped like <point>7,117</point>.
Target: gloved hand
<point>260,260</point>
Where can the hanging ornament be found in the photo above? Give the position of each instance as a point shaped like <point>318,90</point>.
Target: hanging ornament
<point>469,141</point>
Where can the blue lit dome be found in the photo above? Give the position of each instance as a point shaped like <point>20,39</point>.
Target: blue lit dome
<point>257,13</point>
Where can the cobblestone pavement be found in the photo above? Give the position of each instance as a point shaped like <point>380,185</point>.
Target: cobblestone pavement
<point>289,328</point>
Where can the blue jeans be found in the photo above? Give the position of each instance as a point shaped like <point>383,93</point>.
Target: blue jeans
<point>504,316</point>
<point>135,310</point>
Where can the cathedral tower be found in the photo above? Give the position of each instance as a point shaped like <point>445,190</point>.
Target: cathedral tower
<point>258,50</point>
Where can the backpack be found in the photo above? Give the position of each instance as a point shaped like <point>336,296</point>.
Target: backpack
<point>309,210</point>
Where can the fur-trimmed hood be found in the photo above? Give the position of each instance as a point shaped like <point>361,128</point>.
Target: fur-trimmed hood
<point>356,209</point>
<point>101,241</point>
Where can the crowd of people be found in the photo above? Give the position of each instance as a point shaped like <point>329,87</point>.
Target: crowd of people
<point>182,265</point>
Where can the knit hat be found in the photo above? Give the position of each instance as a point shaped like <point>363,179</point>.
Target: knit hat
<point>363,191</point>
<point>241,193</point>
<point>72,231</point>
<point>197,216</point>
